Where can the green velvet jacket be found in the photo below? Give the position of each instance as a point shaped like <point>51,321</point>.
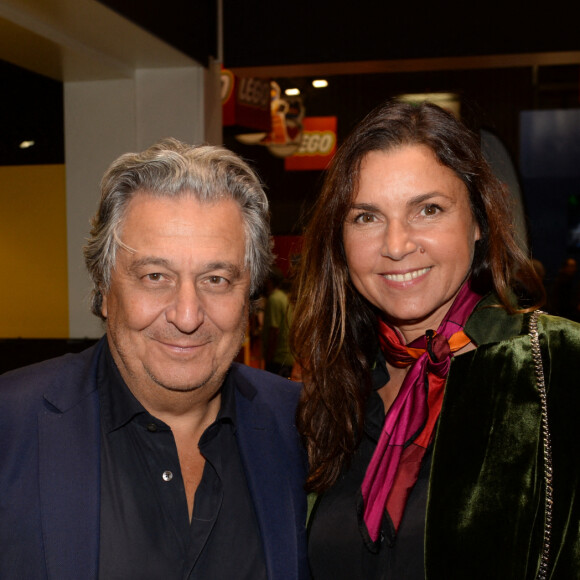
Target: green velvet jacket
<point>486,503</point>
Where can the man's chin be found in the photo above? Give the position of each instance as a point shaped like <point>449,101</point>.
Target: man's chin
<point>183,384</point>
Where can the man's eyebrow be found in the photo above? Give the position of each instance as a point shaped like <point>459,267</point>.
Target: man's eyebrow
<point>149,261</point>
<point>233,269</point>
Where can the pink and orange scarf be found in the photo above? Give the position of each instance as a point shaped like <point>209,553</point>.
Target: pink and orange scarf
<point>410,422</point>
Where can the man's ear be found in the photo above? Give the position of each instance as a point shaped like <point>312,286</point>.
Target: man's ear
<point>104,306</point>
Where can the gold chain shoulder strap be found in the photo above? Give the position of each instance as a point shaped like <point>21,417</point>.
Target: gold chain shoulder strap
<point>541,385</point>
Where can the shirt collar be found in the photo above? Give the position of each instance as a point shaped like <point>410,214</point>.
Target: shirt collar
<point>119,406</point>
<point>491,323</point>
<point>375,410</point>
<point>227,410</point>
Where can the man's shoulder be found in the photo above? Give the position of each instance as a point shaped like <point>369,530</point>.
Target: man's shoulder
<point>266,416</point>
<point>268,386</point>
<point>39,377</point>
<point>54,367</point>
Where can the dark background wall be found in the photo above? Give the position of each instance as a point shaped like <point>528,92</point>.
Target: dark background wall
<point>258,33</point>
<point>491,99</point>
<point>188,25</point>
<point>30,105</point>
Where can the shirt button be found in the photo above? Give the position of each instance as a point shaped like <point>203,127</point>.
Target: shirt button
<point>151,427</point>
<point>167,476</point>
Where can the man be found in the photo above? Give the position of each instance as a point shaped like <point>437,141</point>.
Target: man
<point>277,317</point>
<point>152,455</point>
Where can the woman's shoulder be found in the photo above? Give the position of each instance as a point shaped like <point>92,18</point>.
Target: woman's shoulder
<point>561,338</point>
<point>555,324</point>
<point>491,322</point>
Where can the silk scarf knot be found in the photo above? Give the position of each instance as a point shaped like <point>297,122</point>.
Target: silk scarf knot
<point>410,422</point>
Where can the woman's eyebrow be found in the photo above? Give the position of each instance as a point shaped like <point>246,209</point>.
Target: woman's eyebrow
<point>364,206</point>
<point>423,197</point>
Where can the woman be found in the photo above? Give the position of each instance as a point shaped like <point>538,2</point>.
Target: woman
<point>431,446</point>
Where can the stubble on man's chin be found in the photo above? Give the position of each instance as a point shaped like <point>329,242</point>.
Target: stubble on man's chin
<point>215,378</point>
<point>212,378</point>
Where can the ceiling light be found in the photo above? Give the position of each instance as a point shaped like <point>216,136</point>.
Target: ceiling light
<point>292,92</point>
<point>320,83</point>
<point>26,144</point>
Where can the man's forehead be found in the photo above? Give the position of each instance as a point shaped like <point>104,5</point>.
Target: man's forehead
<point>221,216</point>
<point>181,232</point>
<point>185,196</point>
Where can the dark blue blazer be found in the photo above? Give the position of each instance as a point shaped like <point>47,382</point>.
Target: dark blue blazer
<point>50,475</point>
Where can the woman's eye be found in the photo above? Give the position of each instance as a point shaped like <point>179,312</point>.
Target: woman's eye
<point>431,210</point>
<point>364,218</point>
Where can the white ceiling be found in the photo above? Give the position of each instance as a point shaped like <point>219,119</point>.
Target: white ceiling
<point>79,40</point>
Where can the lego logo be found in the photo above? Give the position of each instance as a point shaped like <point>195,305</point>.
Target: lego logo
<point>254,92</point>
<point>316,143</point>
<point>226,85</point>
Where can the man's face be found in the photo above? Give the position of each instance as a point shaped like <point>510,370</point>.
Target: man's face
<point>177,305</point>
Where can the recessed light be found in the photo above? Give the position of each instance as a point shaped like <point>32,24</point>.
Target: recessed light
<point>320,83</point>
<point>26,144</point>
<point>292,92</point>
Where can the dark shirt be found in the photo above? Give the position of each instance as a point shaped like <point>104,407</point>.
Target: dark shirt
<point>336,549</point>
<point>145,533</point>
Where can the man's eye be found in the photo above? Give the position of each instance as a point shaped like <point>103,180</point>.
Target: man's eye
<point>216,283</point>
<point>216,280</point>
<point>154,277</point>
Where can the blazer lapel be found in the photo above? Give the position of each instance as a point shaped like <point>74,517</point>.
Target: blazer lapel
<point>69,453</point>
<point>263,455</point>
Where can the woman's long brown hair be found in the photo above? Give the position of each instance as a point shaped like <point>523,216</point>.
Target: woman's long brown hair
<point>334,335</point>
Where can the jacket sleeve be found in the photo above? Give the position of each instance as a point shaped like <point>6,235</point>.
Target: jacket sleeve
<point>560,345</point>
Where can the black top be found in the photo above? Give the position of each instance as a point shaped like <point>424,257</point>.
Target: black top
<point>336,548</point>
<point>145,528</point>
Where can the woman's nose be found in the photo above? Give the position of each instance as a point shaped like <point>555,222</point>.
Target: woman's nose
<point>398,240</point>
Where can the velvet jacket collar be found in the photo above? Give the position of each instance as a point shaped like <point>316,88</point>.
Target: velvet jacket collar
<point>485,512</point>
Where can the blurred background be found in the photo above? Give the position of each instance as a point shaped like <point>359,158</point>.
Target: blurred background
<point>82,81</point>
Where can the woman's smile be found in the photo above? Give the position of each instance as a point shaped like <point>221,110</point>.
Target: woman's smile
<point>406,276</point>
<point>409,237</point>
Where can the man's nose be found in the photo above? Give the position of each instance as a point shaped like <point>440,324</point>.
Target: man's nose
<point>185,311</point>
<point>398,240</point>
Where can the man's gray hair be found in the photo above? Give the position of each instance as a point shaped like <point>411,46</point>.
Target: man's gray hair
<point>171,168</point>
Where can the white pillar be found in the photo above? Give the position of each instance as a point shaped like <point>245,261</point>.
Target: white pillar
<point>104,119</point>
<point>99,126</point>
<point>170,103</point>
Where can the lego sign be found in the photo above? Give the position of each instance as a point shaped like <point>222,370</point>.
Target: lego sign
<point>317,145</point>
<point>245,102</point>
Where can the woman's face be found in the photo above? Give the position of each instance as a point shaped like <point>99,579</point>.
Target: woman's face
<point>409,237</point>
